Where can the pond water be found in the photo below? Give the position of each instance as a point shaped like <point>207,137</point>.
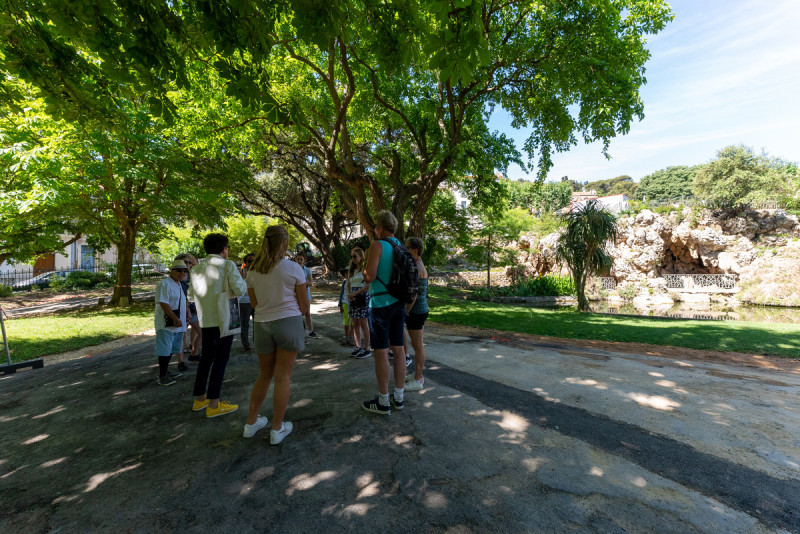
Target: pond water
<point>757,314</point>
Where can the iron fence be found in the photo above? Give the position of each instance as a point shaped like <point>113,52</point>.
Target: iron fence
<point>22,279</point>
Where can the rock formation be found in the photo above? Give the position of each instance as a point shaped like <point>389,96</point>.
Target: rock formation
<point>760,248</point>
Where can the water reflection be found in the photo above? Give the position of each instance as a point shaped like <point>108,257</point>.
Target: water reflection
<point>755,314</point>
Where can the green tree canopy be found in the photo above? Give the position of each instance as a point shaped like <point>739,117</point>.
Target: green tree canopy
<point>670,183</point>
<point>614,186</point>
<point>740,176</point>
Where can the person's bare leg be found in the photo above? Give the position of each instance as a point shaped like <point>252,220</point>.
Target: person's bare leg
<point>284,362</point>
<point>419,352</point>
<point>365,330</point>
<point>399,366</point>
<point>382,369</point>
<point>357,332</point>
<point>266,365</point>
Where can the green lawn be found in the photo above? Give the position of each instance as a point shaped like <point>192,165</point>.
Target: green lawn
<point>449,307</point>
<point>39,336</point>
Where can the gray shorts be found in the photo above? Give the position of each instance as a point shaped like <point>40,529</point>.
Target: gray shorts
<point>287,334</point>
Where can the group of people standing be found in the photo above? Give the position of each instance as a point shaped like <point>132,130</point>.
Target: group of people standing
<point>277,291</point>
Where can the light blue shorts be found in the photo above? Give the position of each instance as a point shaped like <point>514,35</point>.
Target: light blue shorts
<point>287,334</point>
<point>168,342</point>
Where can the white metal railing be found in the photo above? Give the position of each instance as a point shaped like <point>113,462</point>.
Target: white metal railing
<point>700,281</point>
<point>608,283</point>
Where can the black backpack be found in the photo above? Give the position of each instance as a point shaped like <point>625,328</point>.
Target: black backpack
<point>403,283</point>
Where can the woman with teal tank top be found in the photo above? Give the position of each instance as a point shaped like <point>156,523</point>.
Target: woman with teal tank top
<point>416,314</point>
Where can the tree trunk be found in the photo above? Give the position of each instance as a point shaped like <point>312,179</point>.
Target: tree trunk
<point>125,251</point>
<point>489,262</point>
<point>580,289</point>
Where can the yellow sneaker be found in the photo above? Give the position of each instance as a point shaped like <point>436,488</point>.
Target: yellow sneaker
<point>221,409</point>
<point>199,405</point>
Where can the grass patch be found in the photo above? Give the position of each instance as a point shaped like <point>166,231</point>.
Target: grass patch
<point>449,307</point>
<point>35,337</point>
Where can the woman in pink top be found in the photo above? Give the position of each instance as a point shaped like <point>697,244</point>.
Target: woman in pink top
<point>277,289</point>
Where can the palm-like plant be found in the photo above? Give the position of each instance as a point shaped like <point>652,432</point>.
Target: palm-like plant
<point>583,244</point>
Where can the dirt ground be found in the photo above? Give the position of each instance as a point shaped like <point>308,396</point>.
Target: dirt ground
<point>512,433</point>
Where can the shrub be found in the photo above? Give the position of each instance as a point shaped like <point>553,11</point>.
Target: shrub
<point>5,291</point>
<point>77,280</point>
<point>541,286</point>
<point>627,291</point>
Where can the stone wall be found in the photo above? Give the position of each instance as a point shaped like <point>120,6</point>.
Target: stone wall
<point>468,279</point>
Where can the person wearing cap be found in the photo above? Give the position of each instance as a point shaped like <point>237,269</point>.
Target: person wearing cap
<point>171,319</point>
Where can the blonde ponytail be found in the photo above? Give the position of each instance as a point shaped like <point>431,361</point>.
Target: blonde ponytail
<point>273,247</point>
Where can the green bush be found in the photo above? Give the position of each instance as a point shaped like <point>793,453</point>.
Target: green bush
<point>541,286</point>
<point>78,280</point>
<point>5,291</point>
<point>627,291</point>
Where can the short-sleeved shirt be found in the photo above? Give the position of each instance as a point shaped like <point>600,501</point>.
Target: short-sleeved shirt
<point>170,292</point>
<point>275,291</point>
<point>384,273</point>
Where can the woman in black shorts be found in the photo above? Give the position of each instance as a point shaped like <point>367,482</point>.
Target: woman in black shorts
<point>416,313</point>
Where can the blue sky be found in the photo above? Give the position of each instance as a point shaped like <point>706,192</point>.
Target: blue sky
<point>722,73</point>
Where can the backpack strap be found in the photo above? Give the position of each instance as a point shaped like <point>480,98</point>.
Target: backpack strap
<point>378,278</point>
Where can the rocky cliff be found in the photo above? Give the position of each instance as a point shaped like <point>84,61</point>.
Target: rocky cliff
<point>760,248</point>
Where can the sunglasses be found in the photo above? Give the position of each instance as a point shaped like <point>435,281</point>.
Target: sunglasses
<point>181,270</point>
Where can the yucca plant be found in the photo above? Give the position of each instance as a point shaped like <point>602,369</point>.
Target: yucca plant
<point>582,245</point>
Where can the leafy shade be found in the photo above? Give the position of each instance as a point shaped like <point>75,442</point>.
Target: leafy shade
<point>582,245</point>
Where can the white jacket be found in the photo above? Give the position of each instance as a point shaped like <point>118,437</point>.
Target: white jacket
<point>207,277</point>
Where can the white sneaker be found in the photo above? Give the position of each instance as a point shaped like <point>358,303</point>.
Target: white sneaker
<point>250,430</point>
<point>414,385</point>
<point>276,436</point>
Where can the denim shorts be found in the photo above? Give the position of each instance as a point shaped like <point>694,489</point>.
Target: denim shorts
<point>168,342</point>
<point>286,334</point>
<point>386,326</point>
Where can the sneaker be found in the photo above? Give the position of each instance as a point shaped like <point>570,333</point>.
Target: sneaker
<point>375,407</point>
<point>199,405</point>
<point>398,405</point>
<point>221,409</point>
<point>391,355</point>
<point>408,360</point>
<point>276,436</point>
<point>312,335</point>
<point>183,367</point>
<point>194,358</point>
<point>414,385</point>
<point>173,375</point>
<point>363,354</point>
<point>247,348</point>
<point>165,380</point>
<point>250,430</point>
<point>356,351</point>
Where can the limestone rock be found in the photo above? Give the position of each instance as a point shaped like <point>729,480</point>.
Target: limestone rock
<point>760,247</point>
